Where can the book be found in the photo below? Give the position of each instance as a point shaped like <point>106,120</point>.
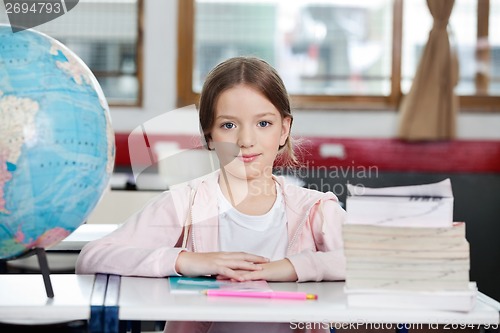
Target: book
<point>415,264</point>
<point>406,238</point>
<point>462,300</point>
<point>408,255</point>
<point>400,280</point>
<point>196,285</point>
<point>445,274</point>
<point>428,205</point>
<point>458,231</point>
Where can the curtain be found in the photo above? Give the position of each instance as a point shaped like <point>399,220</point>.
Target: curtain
<point>429,110</point>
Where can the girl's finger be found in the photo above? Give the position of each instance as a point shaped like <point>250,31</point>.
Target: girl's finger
<point>230,274</point>
<point>243,265</point>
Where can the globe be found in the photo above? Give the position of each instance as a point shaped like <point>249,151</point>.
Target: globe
<point>57,147</point>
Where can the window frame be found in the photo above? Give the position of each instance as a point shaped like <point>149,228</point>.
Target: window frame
<point>475,103</point>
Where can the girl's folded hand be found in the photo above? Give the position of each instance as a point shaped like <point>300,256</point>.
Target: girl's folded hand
<point>231,265</point>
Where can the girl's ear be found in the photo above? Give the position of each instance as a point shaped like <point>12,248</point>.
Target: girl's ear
<point>285,130</point>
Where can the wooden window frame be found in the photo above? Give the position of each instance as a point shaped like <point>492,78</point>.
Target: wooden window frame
<point>479,102</point>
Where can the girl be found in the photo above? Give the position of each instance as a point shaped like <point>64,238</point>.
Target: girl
<point>240,222</point>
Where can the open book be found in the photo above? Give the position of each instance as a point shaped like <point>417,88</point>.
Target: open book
<point>427,205</point>
<point>195,285</point>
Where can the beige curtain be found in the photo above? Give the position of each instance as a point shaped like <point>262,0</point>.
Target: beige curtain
<point>429,110</point>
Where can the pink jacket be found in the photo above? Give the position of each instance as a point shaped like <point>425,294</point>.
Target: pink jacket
<point>148,243</point>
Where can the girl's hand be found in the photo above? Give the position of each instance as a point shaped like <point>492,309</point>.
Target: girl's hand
<point>281,270</point>
<point>229,264</point>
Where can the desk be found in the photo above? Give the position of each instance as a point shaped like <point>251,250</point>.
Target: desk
<point>82,235</point>
<point>62,256</point>
<point>23,299</point>
<point>149,299</point>
<point>103,300</point>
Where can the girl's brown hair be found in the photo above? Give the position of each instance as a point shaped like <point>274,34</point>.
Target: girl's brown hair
<point>255,73</point>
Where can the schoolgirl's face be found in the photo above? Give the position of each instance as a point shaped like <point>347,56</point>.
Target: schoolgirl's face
<point>247,133</point>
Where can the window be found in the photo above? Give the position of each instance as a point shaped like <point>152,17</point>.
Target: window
<point>106,35</point>
<point>338,53</point>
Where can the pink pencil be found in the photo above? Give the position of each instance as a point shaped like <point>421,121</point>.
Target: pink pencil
<point>261,294</point>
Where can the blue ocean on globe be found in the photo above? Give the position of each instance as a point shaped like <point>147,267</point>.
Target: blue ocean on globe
<point>57,147</point>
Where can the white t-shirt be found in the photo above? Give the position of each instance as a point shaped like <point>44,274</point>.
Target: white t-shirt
<point>264,235</point>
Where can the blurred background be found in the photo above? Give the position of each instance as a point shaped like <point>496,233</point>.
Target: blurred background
<point>348,66</point>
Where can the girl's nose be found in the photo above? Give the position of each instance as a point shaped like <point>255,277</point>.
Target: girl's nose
<point>246,138</point>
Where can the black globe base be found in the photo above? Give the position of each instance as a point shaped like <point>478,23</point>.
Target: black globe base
<point>44,268</point>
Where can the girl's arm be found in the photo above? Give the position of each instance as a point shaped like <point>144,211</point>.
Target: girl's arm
<point>327,261</point>
<point>147,244</point>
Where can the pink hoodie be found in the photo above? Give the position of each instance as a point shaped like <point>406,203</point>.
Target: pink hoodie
<point>148,243</point>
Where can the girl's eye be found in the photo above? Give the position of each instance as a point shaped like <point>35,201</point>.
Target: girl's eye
<point>264,123</point>
<point>227,125</point>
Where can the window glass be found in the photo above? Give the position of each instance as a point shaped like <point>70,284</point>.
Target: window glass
<point>463,36</point>
<point>494,41</point>
<point>322,47</point>
<point>417,22</point>
<point>104,34</point>
<point>462,30</point>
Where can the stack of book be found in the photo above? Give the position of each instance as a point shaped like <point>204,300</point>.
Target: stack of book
<point>409,258</point>
<point>407,265</point>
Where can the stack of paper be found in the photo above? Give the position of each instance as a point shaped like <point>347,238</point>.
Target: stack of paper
<point>404,251</point>
<point>406,258</point>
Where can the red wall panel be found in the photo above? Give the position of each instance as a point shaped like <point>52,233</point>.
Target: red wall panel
<point>384,154</point>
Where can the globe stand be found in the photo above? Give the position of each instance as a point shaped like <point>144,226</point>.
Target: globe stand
<point>44,267</point>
